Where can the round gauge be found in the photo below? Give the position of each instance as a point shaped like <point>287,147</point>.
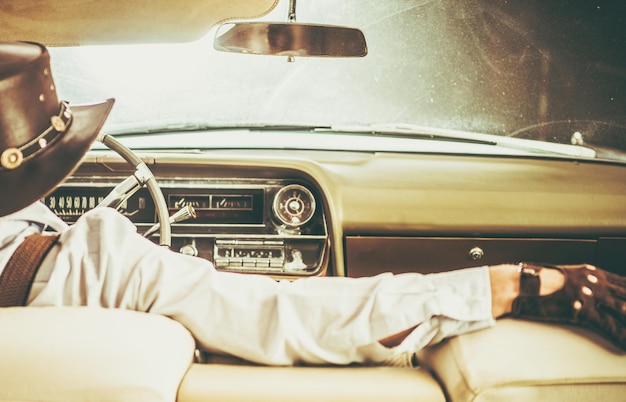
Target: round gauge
<point>294,205</point>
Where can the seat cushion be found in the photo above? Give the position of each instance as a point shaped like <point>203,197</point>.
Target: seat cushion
<point>77,354</point>
<point>225,382</point>
<point>527,361</point>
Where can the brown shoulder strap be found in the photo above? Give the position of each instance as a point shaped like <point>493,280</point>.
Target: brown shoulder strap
<point>19,273</point>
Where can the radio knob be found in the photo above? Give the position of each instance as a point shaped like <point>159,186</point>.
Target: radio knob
<point>189,249</point>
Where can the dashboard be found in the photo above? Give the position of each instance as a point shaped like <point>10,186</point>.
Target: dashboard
<point>302,213</point>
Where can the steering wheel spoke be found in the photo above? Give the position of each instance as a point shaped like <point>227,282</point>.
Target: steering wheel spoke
<point>129,186</point>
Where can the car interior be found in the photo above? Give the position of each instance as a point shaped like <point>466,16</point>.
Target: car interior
<point>383,199</point>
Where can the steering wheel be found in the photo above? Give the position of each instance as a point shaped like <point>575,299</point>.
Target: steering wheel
<point>142,176</point>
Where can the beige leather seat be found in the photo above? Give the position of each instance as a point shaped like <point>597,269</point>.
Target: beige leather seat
<point>526,361</point>
<point>90,354</point>
<point>225,383</point>
<point>77,354</point>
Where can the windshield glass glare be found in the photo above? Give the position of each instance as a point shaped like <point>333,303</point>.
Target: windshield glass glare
<point>533,69</point>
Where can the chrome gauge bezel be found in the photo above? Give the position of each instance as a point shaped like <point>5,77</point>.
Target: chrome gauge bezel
<point>283,215</point>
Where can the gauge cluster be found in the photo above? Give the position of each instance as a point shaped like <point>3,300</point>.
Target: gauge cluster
<point>273,227</point>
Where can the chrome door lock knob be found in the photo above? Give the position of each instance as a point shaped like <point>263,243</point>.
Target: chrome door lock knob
<point>476,253</point>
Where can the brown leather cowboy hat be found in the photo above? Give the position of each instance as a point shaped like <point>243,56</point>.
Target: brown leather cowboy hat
<point>42,140</point>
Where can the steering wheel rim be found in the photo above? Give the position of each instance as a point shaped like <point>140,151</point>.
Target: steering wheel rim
<point>145,178</point>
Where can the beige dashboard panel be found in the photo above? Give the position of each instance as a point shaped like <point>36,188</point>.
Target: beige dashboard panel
<point>466,197</point>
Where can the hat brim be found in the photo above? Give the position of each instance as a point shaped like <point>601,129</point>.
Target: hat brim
<point>38,176</point>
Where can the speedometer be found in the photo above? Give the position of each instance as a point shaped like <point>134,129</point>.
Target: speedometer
<point>294,205</point>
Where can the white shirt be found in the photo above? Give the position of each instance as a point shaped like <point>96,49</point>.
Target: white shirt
<point>101,261</point>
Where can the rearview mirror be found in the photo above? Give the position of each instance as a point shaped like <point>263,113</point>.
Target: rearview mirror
<point>290,39</point>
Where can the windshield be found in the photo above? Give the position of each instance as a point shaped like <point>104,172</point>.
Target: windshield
<point>547,70</point>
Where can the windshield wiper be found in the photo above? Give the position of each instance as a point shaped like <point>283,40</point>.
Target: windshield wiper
<point>421,132</point>
<point>412,131</point>
<point>191,127</point>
